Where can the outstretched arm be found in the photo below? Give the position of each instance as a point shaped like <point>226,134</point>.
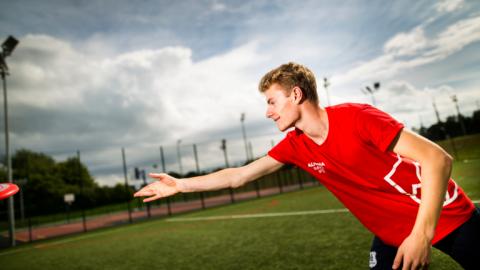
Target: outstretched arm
<point>231,177</point>
<point>436,167</point>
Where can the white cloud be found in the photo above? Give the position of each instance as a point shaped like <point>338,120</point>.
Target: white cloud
<point>408,50</point>
<point>405,44</point>
<point>455,38</point>
<point>402,97</point>
<point>448,5</point>
<point>218,7</point>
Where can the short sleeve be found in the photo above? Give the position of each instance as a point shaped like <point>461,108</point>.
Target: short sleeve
<point>282,151</point>
<point>377,127</point>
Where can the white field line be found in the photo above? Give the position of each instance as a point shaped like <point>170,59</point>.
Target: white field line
<point>263,215</point>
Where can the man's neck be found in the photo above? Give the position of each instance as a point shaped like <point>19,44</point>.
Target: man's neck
<point>313,122</point>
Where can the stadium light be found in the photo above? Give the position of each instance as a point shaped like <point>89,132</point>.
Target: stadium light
<point>459,115</point>
<point>7,48</point>
<point>179,156</point>
<point>369,91</point>
<point>326,84</point>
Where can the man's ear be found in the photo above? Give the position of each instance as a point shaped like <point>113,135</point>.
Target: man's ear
<point>297,95</point>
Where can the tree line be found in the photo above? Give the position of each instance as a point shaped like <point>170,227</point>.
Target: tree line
<point>48,181</point>
<point>454,126</point>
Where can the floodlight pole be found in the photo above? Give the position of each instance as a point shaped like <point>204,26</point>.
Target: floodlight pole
<point>367,90</point>
<point>459,115</point>
<point>326,84</point>
<point>179,157</point>
<point>11,212</point>
<point>242,119</point>
<point>227,165</point>
<point>224,148</point>
<point>7,47</point>
<point>437,114</point>
<point>442,127</point>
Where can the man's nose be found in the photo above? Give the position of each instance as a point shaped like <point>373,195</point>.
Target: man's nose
<point>269,113</point>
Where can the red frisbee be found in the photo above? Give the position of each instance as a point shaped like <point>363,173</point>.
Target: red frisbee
<point>7,190</point>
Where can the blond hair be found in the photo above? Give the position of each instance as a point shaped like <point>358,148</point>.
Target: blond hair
<point>290,75</point>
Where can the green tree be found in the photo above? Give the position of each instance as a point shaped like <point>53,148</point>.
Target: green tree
<point>77,180</point>
<point>44,190</point>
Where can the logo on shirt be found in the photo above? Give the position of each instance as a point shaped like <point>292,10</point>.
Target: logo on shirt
<point>414,192</point>
<point>317,166</point>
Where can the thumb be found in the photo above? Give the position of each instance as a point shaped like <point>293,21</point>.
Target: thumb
<point>164,178</point>
<point>167,180</point>
<point>398,259</point>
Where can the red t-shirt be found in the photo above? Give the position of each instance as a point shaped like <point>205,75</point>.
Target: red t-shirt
<point>379,187</point>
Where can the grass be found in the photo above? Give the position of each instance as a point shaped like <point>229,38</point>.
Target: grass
<point>463,148</point>
<point>323,241</point>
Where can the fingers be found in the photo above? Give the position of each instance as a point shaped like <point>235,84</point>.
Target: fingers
<point>158,196</point>
<point>148,192</point>
<point>158,176</point>
<point>144,193</point>
<point>398,260</point>
<point>407,265</point>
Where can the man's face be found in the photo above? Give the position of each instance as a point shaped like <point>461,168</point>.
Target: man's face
<point>281,108</point>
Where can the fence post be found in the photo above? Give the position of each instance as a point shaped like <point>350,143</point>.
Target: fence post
<point>257,185</point>
<point>300,181</point>
<point>164,168</point>
<point>224,148</point>
<point>84,221</point>
<point>126,185</point>
<point>202,199</point>
<point>144,178</point>
<point>279,180</point>
<point>30,238</point>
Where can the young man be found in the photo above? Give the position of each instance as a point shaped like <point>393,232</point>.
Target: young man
<point>395,182</point>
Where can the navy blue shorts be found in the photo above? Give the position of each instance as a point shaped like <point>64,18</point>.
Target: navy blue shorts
<point>462,245</point>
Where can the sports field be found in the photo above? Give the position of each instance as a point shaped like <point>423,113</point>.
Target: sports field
<point>288,231</point>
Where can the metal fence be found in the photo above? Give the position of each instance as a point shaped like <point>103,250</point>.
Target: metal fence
<point>29,229</point>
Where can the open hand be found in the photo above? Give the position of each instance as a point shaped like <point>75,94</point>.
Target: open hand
<point>414,252</point>
<point>164,187</point>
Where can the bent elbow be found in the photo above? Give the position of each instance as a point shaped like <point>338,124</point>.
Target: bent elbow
<point>449,159</point>
<point>445,158</point>
<point>445,162</point>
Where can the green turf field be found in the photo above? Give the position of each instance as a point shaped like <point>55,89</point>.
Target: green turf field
<point>318,241</point>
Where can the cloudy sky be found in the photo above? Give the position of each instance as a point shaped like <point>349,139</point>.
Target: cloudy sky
<point>96,76</point>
